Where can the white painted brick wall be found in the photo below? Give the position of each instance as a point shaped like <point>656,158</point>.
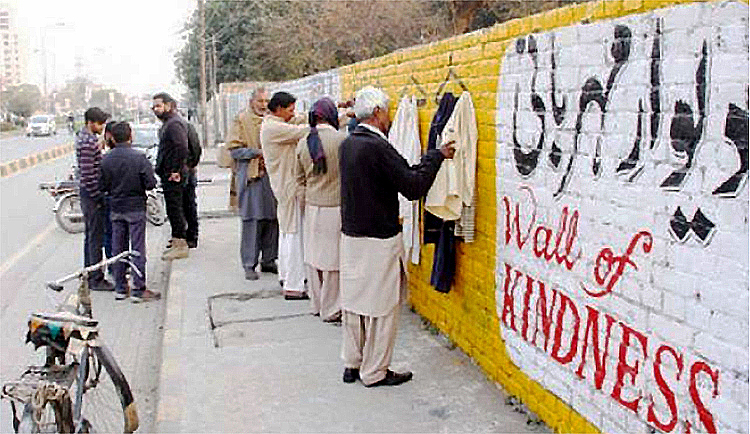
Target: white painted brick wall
<point>690,294</point>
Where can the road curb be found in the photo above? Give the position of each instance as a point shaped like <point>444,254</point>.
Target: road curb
<point>168,404</point>
<point>217,214</point>
<point>13,166</point>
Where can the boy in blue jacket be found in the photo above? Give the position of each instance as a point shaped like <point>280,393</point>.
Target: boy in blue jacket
<point>126,174</point>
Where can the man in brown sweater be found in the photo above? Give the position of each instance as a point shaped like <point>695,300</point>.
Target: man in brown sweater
<point>257,204</point>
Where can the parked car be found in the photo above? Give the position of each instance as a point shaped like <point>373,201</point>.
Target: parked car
<point>41,125</point>
<point>146,138</point>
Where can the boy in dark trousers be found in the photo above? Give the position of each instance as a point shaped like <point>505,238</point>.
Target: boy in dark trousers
<point>126,175</point>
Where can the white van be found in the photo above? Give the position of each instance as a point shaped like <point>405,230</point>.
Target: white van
<point>41,125</point>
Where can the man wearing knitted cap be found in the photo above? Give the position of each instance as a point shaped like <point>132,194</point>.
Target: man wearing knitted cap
<point>372,269</point>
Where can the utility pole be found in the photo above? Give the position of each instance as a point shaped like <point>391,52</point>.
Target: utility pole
<point>215,90</point>
<point>202,55</point>
<point>214,68</point>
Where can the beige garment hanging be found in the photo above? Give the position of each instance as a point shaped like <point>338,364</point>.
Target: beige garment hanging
<point>455,182</point>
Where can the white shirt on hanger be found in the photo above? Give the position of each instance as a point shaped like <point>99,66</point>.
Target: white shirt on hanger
<point>404,136</point>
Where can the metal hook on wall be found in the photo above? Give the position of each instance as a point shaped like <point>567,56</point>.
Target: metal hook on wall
<point>403,91</point>
<point>451,74</point>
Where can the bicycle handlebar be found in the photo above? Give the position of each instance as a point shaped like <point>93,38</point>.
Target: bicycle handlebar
<point>57,285</point>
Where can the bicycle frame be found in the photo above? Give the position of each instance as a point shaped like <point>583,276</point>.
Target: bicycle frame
<point>71,330</point>
<point>79,303</point>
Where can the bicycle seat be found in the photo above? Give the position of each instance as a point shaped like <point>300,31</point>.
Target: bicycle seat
<point>58,327</point>
<point>67,185</point>
<point>66,317</point>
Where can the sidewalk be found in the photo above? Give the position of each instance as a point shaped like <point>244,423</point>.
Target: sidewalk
<point>133,331</point>
<point>237,357</point>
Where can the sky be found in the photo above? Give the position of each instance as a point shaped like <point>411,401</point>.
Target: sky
<point>125,44</point>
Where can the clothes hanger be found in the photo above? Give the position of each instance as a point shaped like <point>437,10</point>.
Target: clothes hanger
<point>403,91</point>
<point>456,78</point>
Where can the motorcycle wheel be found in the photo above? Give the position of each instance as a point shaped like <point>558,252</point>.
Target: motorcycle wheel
<point>69,215</point>
<point>156,209</point>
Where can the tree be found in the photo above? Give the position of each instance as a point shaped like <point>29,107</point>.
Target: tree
<point>22,100</point>
<point>468,16</point>
<point>334,33</point>
<point>462,13</point>
<point>75,92</point>
<point>233,26</point>
<point>270,40</point>
<point>108,100</point>
<point>276,40</point>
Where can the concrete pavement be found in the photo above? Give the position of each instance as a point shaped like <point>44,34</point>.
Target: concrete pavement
<point>237,357</point>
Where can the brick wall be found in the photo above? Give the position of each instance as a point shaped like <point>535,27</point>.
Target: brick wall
<point>608,284</point>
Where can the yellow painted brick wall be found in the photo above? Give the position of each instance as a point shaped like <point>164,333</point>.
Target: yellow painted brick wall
<point>468,313</point>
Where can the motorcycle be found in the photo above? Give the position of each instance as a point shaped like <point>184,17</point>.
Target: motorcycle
<point>68,212</point>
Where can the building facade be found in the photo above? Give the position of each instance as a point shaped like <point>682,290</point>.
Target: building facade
<point>12,50</point>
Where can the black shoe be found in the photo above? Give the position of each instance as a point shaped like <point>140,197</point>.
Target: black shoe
<point>294,295</point>
<point>392,379</point>
<point>351,375</point>
<point>102,285</point>
<point>192,244</point>
<point>270,268</point>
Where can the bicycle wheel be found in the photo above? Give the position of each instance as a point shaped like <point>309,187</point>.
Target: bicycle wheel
<point>69,214</point>
<point>103,400</point>
<point>54,417</point>
<point>156,210</point>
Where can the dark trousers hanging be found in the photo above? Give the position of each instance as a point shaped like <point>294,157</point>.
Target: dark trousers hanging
<point>444,261</point>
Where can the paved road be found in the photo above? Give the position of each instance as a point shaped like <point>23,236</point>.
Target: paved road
<point>33,250</point>
<point>26,211</point>
<point>12,148</point>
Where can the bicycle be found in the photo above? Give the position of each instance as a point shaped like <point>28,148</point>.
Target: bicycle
<point>89,393</point>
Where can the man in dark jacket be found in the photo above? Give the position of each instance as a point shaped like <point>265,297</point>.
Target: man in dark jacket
<point>172,169</point>
<point>373,268</point>
<point>189,198</point>
<point>126,174</point>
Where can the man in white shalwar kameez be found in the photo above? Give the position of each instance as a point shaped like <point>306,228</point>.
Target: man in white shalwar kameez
<point>278,138</point>
<point>373,267</point>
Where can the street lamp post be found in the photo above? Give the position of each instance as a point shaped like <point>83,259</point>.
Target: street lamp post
<point>43,37</point>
